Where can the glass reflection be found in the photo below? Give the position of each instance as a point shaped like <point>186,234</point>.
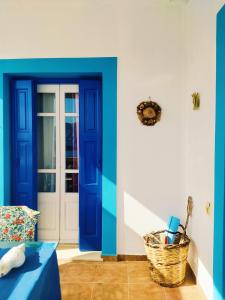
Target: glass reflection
<point>71,150</point>
<point>46,182</point>
<point>45,102</point>
<point>71,102</point>
<point>71,183</point>
<point>46,142</point>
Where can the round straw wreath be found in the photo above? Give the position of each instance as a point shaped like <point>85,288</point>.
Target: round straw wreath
<point>149,112</point>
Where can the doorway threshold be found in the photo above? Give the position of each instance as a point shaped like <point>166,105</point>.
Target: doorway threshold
<point>70,252</point>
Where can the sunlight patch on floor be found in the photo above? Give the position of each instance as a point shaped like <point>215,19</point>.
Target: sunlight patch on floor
<point>70,252</point>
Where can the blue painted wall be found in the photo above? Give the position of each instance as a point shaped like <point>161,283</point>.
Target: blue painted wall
<point>69,67</point>
<point>7,139</point>
<point>2,166</point>
<point>219,201</point>
<point>5,165</point>
<point>109,168</point>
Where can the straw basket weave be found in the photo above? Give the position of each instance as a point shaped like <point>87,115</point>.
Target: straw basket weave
<point>167,261</point>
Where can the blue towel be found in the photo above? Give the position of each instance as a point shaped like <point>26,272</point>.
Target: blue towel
<point>37,279</point>
<point>173,225</point>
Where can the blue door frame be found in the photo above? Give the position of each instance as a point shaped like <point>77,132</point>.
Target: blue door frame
<point>68,68</point>
<point>219,201</point>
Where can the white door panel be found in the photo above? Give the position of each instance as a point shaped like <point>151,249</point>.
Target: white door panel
<point>48,161</point>
<point>48,221</point>
<point>69,162</point>
<point>58,115</point>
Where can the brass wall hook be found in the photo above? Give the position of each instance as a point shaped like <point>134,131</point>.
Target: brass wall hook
<point>196,100</point>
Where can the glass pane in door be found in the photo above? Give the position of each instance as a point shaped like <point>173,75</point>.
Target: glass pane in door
<point>71,102</point>
<point>71,183</point>
<point>45,102</point>
<point>46,182</point>
<point>71,150</point>
<point>46,142</point>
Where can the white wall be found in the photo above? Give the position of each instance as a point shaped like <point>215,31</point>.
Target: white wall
<point>145,35</point>
<point>199,75</point>
<point>166,50</point>
<point>150,181</point>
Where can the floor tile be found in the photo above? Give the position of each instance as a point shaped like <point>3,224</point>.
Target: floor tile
<point>138,272</point>
<point>76,291</point>
<point>119,280</point>
<point>111,273</point>
<point>105,291</point>
<point>146,291</point>
<point>77,272</point>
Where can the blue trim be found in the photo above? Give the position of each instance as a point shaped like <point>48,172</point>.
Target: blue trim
<point>34,147</point>
<point>7,138</point>
<point>219,207</point>
<point>70,68</point>
<point>109,155</point>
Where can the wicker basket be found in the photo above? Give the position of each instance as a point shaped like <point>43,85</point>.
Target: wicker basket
<point>167,262</point>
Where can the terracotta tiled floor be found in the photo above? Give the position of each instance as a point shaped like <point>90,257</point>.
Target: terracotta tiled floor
<point>119,281</point>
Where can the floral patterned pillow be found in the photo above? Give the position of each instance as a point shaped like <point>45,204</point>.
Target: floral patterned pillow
<point>17,223</point>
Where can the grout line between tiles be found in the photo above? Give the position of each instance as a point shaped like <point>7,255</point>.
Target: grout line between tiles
<point>92,290</point>
<point>93,282</point>
<point>128,290</point>
<point>164,293</point>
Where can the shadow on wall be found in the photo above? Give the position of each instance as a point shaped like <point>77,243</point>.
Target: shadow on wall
<point>137,218</point>
<point>138,215</point>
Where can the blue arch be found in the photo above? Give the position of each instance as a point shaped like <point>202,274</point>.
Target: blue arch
<point>219,200</point>
<point>68,68</point>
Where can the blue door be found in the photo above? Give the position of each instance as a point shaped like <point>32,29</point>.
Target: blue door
<point>24,167</point>
<point>90,180</point>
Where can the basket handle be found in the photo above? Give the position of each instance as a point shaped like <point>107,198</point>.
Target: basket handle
<point>168,231</point>
<point>189,213</point>
<point>154,238</point>
<point>173,232</point>
<point>189,210</point>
